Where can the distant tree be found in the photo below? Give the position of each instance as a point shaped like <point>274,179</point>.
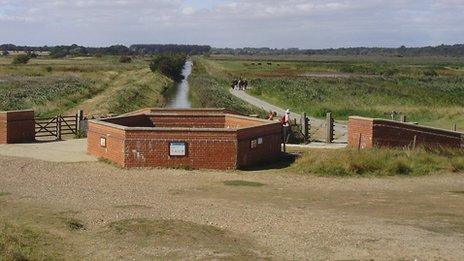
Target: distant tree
<point>117,50</point>
<point>125,59</point>
<point>77,51</point>
<point>169,64</point>
<point>21,59</point>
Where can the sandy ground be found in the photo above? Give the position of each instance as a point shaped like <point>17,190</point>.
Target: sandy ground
<point>63,151</point>
<point>290,217</point>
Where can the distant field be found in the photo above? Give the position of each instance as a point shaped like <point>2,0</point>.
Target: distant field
<point>97,85</point>
<point>209,89</point>
<point>429,90</point>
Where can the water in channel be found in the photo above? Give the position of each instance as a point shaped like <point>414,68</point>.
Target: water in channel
<point>178,96</point>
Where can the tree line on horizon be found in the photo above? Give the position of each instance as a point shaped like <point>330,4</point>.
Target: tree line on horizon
<point>441,50</point>
<point>150,49</point>
<point>137,49</point>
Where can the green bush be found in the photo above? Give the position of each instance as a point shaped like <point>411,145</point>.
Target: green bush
<point>21,59</point>
<point>169,64</point>
<point>125,59</point>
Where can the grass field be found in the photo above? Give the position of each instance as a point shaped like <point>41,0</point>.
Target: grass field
<point>209,90</point>
<point>97,85</point>
<point>429,90</point>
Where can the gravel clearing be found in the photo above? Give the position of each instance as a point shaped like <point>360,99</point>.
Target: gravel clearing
<point>290,217</point>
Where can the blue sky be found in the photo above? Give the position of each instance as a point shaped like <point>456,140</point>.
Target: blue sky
<point>233,23</point>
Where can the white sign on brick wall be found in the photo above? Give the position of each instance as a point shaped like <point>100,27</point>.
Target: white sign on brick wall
<point>177,149</point>
<point>103,142</point>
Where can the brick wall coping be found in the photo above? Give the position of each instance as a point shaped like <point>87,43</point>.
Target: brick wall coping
<point>404,123</point>
<point>125,128</point>
<point>162,129</point>
<point>6,112</point>
<point>176,111</point>
<point>211,114</point>
<point>7,115</point>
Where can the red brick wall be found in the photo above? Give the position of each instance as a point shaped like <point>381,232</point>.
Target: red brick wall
<point>131,121</point>
<point>377,132</point>
<point>188,120</point>
<point>115,142</point>
<point>17,127</point>
<point>205,149</point>
<point>360,131</point>
<point>268,150</point>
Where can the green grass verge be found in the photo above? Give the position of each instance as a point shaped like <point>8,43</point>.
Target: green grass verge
<point>379,162</point>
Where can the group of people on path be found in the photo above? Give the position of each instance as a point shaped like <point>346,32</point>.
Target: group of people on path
<point>240,84</point>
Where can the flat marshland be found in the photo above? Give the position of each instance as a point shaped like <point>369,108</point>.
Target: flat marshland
<point>428,90</point>
<point>98,85</point>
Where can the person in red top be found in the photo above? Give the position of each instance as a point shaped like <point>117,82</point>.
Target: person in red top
<point>286,125</point>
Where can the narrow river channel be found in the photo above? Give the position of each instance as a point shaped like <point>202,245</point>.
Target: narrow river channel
<point>178,96</point>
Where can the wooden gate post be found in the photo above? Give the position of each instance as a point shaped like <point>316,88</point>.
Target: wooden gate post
<point>305,127</point>
<point>403,118</point>
<point>58,127</point>
<point>455,127</point>
<point>330,128</point>
<point>79,118</point>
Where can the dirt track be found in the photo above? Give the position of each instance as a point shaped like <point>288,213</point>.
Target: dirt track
<point>290,217</point>
<point>318,126</point>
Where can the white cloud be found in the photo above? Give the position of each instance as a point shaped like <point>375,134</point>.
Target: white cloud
<point>275,23</point>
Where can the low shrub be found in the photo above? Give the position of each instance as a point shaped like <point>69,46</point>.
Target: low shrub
<point>21,59</point>
<point>379,162</point>
<point>125,59</point>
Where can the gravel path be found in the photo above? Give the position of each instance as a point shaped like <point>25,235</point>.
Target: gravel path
<point>317,125</point>
<point>290,217</point>
<point>57,151</point>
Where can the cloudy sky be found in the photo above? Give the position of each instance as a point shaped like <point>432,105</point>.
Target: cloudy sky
<point>233,23</point>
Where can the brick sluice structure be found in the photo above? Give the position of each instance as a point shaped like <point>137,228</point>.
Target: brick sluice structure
<point>193,138</point>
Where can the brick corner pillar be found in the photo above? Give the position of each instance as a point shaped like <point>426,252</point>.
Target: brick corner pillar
<point>360,132</point>
<point>17,126</point>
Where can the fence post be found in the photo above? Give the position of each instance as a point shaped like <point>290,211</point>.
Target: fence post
<point>79,118</point>
<point>58,127</point>
<point>403,118</point>
<point>455,127</point>
<point>304,126</point>
<point>359,141</point>
<point>330,128</point>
